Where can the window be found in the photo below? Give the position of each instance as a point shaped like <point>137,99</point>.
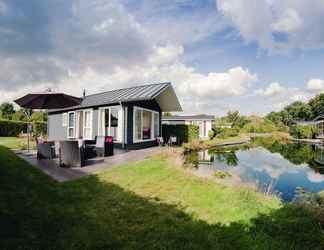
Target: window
<point>71,124</point>
<point>64,119</point>
<point>87,124</point>
<point>156,125</point>
<point>114,123</point>
<point>110,122</point>
<point>146,124</point>
<point>138,124</point>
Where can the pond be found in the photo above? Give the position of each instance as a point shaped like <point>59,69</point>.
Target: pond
<point>267,164</point>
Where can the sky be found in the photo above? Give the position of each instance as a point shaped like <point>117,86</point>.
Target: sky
<point>254,56</point>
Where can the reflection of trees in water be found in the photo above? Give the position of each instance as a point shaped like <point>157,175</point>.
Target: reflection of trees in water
<point>229,158</point>
<point>191,158</point>
<point>227,154</point>
<point>296,153</point>
<point>196,157</point>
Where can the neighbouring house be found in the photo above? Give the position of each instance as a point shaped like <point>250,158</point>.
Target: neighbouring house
<point>318,122</point>
<point>131,115</point>
<point>223,125</point>
<point>203,121</point>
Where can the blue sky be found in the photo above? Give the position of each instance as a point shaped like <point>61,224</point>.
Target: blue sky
<point>254,56</point>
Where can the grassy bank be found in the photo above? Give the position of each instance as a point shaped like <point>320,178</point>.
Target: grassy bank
<point>16,142</point>
<point>241,138</point>
<point>205,144</point>
<point>147,205</point>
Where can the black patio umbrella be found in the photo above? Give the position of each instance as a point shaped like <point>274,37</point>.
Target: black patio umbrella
<point>48,100</point>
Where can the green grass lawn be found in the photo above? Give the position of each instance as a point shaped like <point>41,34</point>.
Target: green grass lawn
<point>146,205</point>
<point>15,142</point>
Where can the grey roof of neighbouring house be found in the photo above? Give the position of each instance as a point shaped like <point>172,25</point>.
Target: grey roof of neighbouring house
<point>318,119</point>
<point>136,93</point>
<point>187,117</point>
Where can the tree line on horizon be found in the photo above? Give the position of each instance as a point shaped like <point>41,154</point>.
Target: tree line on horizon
<point>298,111</point>
<point>8,112</point>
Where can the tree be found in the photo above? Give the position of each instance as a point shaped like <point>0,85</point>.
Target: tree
<point>299,110</point>
<point>19,115</point>
<point>279,118</point>
<point>39,117</point>
<point>317,105</point>
<point>232,116</point>
<point>7,110</point>
<point>168,114</point>
<point>235,119</point>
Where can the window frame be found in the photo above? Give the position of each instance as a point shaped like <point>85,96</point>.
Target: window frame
<point>84,124</point>
<point>64,119</point>
<point>120,123</point>
<point>136,108</point>
<point>68,125</point>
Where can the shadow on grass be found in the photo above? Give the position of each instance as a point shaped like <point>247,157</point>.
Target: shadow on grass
<point>38,213</point>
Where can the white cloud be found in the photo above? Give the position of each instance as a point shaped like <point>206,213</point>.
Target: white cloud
<point>44,41</point>
<point>315,177</point>
<point>277,25</point>
<point>290,21</point>
<point>315,85</point>
<point>273,89</point>
<point>234,82</point>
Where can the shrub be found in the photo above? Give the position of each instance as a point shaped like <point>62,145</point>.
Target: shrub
<point>184,133</point>
<point>211,134</point>
<point>313,201</point>
<point>12,128</point>
<point>193,132</point>
<point>228,132</point>
<point>264,126</point>
<point>304,132</point>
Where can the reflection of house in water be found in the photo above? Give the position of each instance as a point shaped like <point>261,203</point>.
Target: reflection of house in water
<point>204,157</point>
<point>320,126</point>
<point>319,154</point>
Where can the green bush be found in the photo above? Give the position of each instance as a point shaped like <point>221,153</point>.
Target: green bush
<point>304,132</point>
<point>264,126</point>
<point>224,133</point>
<point>184,133</point>
<point>14,128</point>
<point>211,134</point>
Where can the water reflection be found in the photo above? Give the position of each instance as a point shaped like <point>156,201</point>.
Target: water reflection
<point>270,165</point>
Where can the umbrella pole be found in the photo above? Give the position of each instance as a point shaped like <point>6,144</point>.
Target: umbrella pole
<point>28,128</point>
<point>28,138</point>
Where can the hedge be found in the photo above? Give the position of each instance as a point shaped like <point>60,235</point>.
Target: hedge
<point>14,128</point>
<point>184,133</point>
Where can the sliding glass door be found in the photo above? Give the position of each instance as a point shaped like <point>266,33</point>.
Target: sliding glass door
<point>146,124</point>
<point>110,122</point>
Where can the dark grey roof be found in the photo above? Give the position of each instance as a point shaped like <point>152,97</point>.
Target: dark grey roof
<point>187,117</point>
<point>137,93</point>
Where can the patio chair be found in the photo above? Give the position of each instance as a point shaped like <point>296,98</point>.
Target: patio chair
<point>160,141</point>
<point>172,140</point>
<point>45,150</point>
<point>90,148</point>
<point>71,155</point>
